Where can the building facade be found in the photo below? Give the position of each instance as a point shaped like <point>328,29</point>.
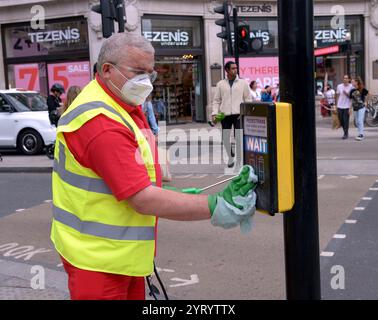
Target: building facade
<point>188,52</point>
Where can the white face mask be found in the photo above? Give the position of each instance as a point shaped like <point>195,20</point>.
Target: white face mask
<point>135,90</point>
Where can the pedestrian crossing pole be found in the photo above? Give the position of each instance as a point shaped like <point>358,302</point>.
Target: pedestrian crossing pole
<point>301,231</point>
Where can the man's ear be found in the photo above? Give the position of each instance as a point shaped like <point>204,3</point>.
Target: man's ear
<point>106,70</point>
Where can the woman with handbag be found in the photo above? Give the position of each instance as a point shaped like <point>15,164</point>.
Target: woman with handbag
<point>358,96</point>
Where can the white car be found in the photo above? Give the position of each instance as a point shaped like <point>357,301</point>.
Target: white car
<point>24,121</point>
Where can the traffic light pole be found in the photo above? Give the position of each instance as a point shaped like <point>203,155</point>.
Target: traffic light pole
<point>301,233</point>
<point>236,36</point>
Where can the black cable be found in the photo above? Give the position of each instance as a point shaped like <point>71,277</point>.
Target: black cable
<point>152,291</point>
<point>160,282</point>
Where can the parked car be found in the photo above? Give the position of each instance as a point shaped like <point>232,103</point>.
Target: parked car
<point>24,121</point>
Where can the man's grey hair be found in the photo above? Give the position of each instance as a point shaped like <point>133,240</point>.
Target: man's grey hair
<point>118,45</point>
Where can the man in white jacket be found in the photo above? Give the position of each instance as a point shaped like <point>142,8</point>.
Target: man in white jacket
<point>229,94</point>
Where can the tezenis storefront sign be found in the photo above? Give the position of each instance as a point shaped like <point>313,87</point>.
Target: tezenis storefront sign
<point>170,38</point>
<point>66,35</point>
<point>330,36</point>
<point>58,36</point>
<point>264,8</point>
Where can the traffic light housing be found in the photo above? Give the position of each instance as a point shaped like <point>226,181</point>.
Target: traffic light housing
<point>120,15</point>
<point>225,24</point>
<point>111,10</point>
<point>243,39</point>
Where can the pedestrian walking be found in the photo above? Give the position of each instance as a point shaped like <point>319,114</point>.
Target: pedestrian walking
<point>343,103</point>
<point>328,100</point>
<point>329,94</point>
<point>229,94</point>
<point>255,92</point>
<point>266,96</point>
<point>72,93</point>
<point>54,102</point>
<point>150,115</point>
<point>358,95</point>
<point>107,191</point>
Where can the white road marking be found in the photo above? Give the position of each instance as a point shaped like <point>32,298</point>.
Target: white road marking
<point>339,236</point>
<point>164,270</point>
<point>348,177</point>
<point>13,249</point>
<point>185,282</point>
<point>321,177</point>
<point>350,221</point>
<point>48,201</point>
<point>327,254</point>
<point>19,210</point>
<point>373,189</point>
<point>367,198</point>
<point>60,265</point>
<point>200,176</point>
<point>359,208</point>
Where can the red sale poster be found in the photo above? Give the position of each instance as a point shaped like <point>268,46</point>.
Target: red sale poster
<point>69,74</point>
<point>27,76</point>
<point>264,70</point>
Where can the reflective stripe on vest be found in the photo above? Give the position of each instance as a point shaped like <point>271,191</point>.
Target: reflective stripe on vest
<point>79,181</point>
<point>101,229</point>
<point>66,119</point>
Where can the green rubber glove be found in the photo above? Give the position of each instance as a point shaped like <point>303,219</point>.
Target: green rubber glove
<point>239,186</point>
<point>219,117</point>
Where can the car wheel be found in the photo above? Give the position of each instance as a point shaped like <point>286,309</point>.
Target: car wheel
<point>30,142</point>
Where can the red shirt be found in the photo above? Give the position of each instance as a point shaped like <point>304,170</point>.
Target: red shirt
<point>109,148</point>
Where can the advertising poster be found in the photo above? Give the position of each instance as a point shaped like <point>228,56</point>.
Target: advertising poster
<point>27,76</point>
<point>264,70</point>
<point>69,74</point>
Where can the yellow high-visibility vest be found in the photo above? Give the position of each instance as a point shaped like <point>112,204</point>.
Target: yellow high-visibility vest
<point>90,228</point>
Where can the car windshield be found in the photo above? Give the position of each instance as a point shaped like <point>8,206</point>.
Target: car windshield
<point>24,101</point>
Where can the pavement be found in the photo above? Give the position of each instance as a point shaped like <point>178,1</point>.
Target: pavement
<point>192,267</point>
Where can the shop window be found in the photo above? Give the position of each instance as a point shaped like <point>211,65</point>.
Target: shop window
<point>325,35</point>
<point>177,95</point>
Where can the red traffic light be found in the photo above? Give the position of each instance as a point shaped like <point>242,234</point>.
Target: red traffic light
<point>243,33</point>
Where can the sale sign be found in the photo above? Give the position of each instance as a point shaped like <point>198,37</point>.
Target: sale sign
<point>26,76</point>
<point>69,74</point>
<point>263,70</point>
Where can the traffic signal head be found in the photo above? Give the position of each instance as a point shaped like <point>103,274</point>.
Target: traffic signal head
<point>107,11</point>
<point>120,15</point>
<point>244,39</point>
<point>225,24</point>
<point>111,10</point>
<point>257,44</point>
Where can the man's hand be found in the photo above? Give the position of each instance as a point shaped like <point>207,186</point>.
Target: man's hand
<point>235,205</point>
<point>218,117</point>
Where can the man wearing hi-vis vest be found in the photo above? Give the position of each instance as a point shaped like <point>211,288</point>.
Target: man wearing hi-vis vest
<point>107,183</point>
